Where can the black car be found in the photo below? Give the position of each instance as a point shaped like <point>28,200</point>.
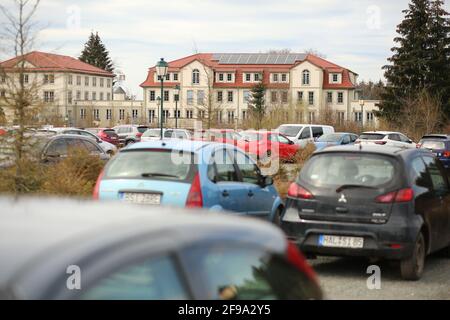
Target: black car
<point>369,201</point>
<point>61,249</point>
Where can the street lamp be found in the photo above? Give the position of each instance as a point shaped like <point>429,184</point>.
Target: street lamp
<point>361,103</point>
<point>177,97</point>
<point>161,71</point>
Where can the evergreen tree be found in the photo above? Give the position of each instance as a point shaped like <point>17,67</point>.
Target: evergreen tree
<point>257,105</point>
<point>420,60</point>
<point>95,53</point>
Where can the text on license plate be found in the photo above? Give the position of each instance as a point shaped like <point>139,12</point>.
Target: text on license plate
<point>341,242</point>
<point>141,198</point>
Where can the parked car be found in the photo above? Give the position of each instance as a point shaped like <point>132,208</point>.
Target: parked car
<point>391,203</point>
<point>129,134</point>
<point>144,254</point>
<point>335,139</point>
<point>301,134</point>
<point>187,173</point>
<point>267,144</point>
<point>439,145</point>
<point>155,134</point>
<point>106,134</point>
<point>218,135</point>
<point>109,148</point>
<point>386,138</point>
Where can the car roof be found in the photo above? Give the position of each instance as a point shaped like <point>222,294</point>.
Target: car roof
<point>381,132</point>
<point>384,150</point>
<point>32,230</point>
<point>174,144</point>
<point>305,124</point>
<point>436,136</point>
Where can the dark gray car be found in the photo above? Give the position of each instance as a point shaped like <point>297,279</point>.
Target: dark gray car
<point>55,249</point>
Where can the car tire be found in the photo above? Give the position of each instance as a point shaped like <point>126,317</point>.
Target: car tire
<point>277,216</point>
<point>412,267</point>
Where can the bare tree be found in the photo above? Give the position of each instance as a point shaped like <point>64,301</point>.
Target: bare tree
<point>315,53</point>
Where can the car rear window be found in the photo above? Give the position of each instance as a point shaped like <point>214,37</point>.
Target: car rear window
<point>433,144</point>
<point>291,131</point>
<point>372,136</point>
<point>155,133</point>
<point>142,129</point>
<point>330,138</point>
<point>152,164</point>
<point>110,133</point>
<point>335,170</point>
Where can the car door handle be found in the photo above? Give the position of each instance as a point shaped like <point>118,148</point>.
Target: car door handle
<point>225,193</point>
<point>251,194</point>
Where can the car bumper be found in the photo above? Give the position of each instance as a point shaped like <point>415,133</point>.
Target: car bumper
<point>389,240</point>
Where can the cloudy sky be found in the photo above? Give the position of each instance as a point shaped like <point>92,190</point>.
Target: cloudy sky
<point>356,34</point>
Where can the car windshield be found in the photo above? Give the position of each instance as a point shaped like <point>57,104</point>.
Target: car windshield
<point>290,131</point>
<point>330,138</point>
<point>337,170</point>
<point>141,164</point>
<point>110,132</point>
<point>153,133</point>
<point>252,136</point>
<point>372,136</point>
<point>433,144</point>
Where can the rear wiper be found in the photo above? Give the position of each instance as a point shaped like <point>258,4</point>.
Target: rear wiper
<point>352,186</point>
<point>154,174</point>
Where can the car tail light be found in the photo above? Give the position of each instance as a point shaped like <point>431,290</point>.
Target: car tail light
<point>296,258</point>
<point>446,154</point>
<point>380,142</point>
<point>195,197</point>
<point>296,191</point>
<point>403,195</point>
<point>139,134</point>
<point>95,194</point>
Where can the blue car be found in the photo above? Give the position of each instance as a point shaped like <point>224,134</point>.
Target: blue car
<point>335,139</point>
<point>186,173</point>
<point>439,145</point>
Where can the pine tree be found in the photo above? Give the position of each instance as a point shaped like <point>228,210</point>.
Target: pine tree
<point>257,105</point>
<point>95,53</point>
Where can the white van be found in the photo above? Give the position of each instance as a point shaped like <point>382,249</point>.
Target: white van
<point>301,134</point>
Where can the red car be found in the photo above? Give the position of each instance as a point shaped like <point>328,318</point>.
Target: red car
<point>267,144</point>
<point>106,134</point>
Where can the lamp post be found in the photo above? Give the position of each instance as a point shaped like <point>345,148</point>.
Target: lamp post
<point>361,103</point>
<point>177,97</point>
<point>161,71</point>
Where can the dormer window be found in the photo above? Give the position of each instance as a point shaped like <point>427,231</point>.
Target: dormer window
<point>195,76</point>
<point>335,78</point>
<point>305,77</point>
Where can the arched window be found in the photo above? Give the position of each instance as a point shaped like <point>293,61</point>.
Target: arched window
<point>195,76</point>
<point>305,77</point>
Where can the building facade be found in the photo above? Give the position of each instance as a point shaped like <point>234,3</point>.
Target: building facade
<point>222,83</point>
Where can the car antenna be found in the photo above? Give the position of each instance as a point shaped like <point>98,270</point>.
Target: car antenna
<point>360,146</point>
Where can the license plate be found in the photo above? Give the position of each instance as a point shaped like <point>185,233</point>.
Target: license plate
<point>341,242</point>
<point>141,198</point>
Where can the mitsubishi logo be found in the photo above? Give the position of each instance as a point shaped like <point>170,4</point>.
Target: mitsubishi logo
<point>342,199</point>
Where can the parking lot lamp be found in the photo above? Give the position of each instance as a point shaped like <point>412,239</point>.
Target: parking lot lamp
<point>177,97</point>
<point>161,71</point>
<point>361,103</point>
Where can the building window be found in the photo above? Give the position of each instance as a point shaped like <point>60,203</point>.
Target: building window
<point>284,77</point>
<point>220,77</point>
<point>83,113</point>
<point>273,96</point>
<point>69,97</point>
<point>176,97</point>
<point>219,96</point>
<point>175,77</point>
<point>256,77</point>
<point>78,80</point>
<point>312,117</point>
<point>284,96</point>
<point>201,114</point>
<point>86,81</point>
<point>108,96</point>
<point>305,77</point>
<point>189,114</point>
<point>152,95</point>
<point>335,77</point>
<point>108,114</point>
<point>108,83</point>
<point>248,77</point>
<point>94,96</point>
<point>102,82</point>
<point>166,95</point>
<point>299,96</point>
<point>330,97</point>
<point>195,76</point>
<point>275,77</point>
<point>311,98</point>
<point>340,97</point>
<point>101,96</point>
<point>134,114</point>
<point>86,96</point>
<point>358,116</point>
<point>244,114</point>
<point>219,116</point>
<point>190,97</point>
<point>177,114</point>
<point>370,117</point>
<point>246,96</point>
<point>25,78</point>
<point>70,79</point>
<point>94,81</point>
<point>299,116</point>
<point>230,96</point>
<point>229,77</point>
<point>49,96</point>
<point>49,78</point>
<point>96,114</point>
<point>78,95</point>
<point>341,117</point>
<point>200,97</point>
<point>151,116</point>
<point>230,116</point>
<point>168,77</point>
<point>166,115</point>
<point>121,114</point>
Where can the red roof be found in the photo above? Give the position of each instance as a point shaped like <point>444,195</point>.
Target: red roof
<point>266,69</point>
<point>43,62</point>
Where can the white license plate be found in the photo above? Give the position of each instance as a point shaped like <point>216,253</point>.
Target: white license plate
<point>341,242</point>
<point>141,198</point>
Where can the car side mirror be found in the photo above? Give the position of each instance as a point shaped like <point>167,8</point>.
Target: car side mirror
<point>266,181</point>
<point>291,142</point>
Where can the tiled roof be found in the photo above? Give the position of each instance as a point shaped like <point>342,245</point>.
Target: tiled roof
<point>46,62</point>
<point>269,63</point>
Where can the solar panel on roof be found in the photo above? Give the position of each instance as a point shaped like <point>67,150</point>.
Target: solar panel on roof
<point>258,58</point>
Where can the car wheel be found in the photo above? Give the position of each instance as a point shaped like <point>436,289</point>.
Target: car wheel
<point>277,217</point>
<point>412,268</point>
